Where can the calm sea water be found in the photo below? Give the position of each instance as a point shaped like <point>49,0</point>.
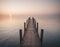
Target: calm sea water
<point>9,31</point>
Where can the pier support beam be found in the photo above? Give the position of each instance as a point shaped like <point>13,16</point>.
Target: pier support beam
<point>20,35</point>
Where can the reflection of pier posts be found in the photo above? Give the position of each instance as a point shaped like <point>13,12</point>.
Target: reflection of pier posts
<point>20,35</point>
<point>42,30</point>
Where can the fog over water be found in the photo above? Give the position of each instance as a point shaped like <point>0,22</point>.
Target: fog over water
<point>9,30</point>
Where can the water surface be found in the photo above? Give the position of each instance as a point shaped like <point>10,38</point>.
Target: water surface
<point>9,31</point>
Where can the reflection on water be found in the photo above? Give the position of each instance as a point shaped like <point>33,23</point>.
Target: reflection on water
<point>9,32</point>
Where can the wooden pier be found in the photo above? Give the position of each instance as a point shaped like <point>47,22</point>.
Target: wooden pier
<point>31,37</point>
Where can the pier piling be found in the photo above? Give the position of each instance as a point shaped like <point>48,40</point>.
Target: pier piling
<point>37,27</point>
<point>42,31</point>
<point>20,35</point>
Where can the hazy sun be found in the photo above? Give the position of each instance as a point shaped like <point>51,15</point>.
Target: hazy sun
<point>11,9</point>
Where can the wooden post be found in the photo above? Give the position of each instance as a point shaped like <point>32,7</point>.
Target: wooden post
<point>24,27</point>
<point>35,24</point>
<point>42,30</point>
<point>33,20</point>
<point>20,35</point>
<point>27,25</point>
<point>28,21</point>
<point>37,27</point>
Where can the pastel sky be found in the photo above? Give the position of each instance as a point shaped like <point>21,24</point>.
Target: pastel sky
<point>29,6</point>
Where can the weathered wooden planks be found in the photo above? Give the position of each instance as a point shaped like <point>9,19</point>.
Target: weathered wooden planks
<point>31,37</point>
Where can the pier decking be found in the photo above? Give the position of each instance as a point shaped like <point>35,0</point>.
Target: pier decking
<point>31,37</point>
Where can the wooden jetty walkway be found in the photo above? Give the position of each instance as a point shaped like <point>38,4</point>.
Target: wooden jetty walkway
<point>31,37</point>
